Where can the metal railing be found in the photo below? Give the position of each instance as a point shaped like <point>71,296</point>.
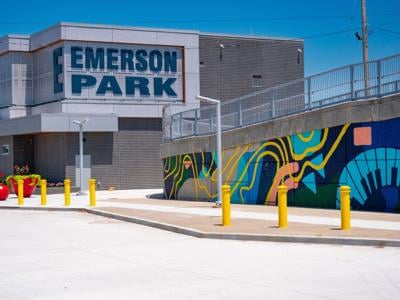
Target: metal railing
<point>339,85</point>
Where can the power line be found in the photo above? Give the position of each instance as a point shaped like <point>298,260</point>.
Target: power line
<point>387,30</point>
<point>219,20</point>
<point>272,38</point>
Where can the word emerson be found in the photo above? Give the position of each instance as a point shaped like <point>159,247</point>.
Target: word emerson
<point>137,71</point>
<point>123,59</point>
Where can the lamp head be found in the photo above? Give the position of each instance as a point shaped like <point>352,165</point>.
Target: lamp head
<point>80,122</point>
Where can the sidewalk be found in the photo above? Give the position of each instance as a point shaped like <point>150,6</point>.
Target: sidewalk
<point>249,222</point>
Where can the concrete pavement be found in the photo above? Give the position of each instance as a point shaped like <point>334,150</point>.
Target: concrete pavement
<point>248,222</point>
<point>56,255</point>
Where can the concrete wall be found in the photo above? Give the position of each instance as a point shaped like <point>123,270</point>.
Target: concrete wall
<point>314,153</point>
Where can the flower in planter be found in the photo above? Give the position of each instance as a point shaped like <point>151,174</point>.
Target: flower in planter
<point>23,173</point>
<point>21,170</point>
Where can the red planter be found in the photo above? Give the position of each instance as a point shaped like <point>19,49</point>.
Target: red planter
<point>4,192</point>
<point>29,186</point>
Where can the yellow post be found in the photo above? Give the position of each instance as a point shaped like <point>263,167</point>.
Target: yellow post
<point>282,206</point>
<point>92,185</point>
<point>67,192</point>
<point>345,207</point>
<point>43,192</point>
<point>226,205</point>
<point>20,191</point>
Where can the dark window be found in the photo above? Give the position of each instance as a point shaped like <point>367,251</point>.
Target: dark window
<point>256,81</point>
<point>5,149</point>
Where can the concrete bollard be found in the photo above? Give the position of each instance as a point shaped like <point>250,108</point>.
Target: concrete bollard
<point>226,205</point>
<point>67,192</point>
<point>282,206</point>
<point>345,207</point>
<point>20,183</point>
<point>92,185</point>
<point>43,192</point>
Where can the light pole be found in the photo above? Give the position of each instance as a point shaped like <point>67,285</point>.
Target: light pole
<point>80,124</point>
<point>219,146</point>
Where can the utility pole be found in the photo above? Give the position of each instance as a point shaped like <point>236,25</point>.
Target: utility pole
<point>364,28</point>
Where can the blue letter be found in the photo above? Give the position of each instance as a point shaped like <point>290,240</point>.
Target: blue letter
<point>127,59</point>
<point>141,64</point>
<point>92,60</point>
<point>57,70</point>
<point>111,59</point>
<point>109,84</point>
<point>79,81</point>
<point>160,87</point>
<point>154,56</point>
<point>133,83</point>
<point>170,62</point>
<point>75,56</point>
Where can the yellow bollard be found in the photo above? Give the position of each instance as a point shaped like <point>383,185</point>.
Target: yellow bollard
<point>345,207</point>
<point>282,206</point>
<point>226,205</point>
<point>67,192</point>
<point>43,192</point>
<point>92,185</point>
<point>20,191</point>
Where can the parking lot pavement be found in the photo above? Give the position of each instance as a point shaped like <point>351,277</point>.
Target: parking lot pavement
<point>71,255</point>
<point>249,222</point>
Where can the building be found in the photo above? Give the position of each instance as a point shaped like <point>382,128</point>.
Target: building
<point>120,78</point>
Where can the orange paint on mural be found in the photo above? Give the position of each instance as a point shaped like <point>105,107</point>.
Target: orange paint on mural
<point>362,136</point>
<point>285,170</point>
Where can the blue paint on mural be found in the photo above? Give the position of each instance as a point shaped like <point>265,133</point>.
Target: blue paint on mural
<point>365,156</point>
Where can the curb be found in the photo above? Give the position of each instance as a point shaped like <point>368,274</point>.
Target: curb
<point>46,208</point>
<point>224,236</point>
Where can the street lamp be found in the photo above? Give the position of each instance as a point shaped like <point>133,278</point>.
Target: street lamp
<point>219,146</point>
<point>80,124</point>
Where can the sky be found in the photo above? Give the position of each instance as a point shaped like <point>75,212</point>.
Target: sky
<point>328,27</point>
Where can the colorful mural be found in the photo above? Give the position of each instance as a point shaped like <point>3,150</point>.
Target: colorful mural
<point>365,156</point>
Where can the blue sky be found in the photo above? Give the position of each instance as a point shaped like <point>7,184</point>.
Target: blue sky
<point>312,20</point>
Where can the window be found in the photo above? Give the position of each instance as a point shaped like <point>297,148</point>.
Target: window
<point>256,80</point>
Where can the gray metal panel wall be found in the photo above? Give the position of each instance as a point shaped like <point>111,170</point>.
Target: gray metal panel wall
<point>6,161</point>
<point>127,159</point>
<point>139,152</point>
<point>49,154</point>
<point>227,73</point>
<point>5,80</point>
<point>22,70</point>
<point>100,146</point>
<point>43,75</point>
<point>23,148</point>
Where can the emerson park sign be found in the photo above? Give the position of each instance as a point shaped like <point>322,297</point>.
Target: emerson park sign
<point>119,72</point>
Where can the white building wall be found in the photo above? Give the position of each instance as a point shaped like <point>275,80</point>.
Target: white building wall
<point>26,75</point>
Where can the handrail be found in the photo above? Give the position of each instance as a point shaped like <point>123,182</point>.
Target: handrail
<point>342,84</point>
